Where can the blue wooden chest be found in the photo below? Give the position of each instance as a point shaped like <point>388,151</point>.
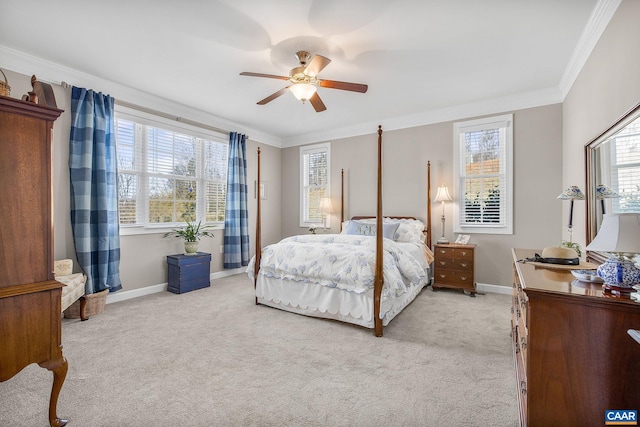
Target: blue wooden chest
<point>188,272</point>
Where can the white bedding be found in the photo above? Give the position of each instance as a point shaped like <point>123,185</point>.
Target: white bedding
<point>332,276</point>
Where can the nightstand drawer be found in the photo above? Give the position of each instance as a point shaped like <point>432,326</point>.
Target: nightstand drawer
<point>454,253</point>
<point>454,264</point>
<point>462,278</point>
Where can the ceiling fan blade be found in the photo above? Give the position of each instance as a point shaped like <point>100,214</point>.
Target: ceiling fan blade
<point>269,76</point>
<point>274,96</point>
<point>334,84</point>
<point>317,103</point>
<point>316,65</point>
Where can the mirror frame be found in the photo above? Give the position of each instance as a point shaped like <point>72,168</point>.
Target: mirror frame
<point>590,199</point>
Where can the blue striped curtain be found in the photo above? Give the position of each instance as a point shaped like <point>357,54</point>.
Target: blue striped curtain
<point>236,218</point>
<point>94,189</point>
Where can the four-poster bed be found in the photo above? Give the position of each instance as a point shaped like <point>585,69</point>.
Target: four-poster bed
<point>348,276</point>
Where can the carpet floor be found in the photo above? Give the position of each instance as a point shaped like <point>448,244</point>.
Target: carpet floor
<point>211,357</point>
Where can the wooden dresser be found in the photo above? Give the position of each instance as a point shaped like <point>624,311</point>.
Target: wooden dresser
<point>30,300</point>
<point>574,358</point>
<point>454,267</point>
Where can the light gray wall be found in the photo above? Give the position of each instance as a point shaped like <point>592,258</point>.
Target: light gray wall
<point>549,144</point>
<point>537,176</point>
<point>607,87</point>
<point>143,257</point>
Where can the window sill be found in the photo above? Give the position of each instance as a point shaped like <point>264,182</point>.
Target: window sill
<point>159,229</point>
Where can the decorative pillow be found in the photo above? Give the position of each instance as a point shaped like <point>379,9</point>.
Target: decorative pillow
<point>62,267</point>
<point>368,228</point>
<point>410,230</point>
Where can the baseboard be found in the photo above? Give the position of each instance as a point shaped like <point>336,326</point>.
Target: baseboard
<point>162,287</point>
<point>495,289</point>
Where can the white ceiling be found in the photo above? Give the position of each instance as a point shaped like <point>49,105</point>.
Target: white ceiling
<point>423,60</point>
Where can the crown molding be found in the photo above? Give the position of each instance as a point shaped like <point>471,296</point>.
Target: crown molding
<point>54,73</point>
<point>597,23</point>
<point>480,108</point>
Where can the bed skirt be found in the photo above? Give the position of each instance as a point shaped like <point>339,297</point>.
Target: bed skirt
<point>330,303</point>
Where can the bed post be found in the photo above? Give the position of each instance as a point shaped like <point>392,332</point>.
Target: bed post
<point>429,204</point>
<point>378,280</point>
<point>256,267</point>
<point>341,198</point>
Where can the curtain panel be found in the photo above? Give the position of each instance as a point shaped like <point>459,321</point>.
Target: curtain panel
<point>94,189</point>
<point>236,219</point>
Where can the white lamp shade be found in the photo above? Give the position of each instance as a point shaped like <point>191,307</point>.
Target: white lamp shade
<point>325,206</point>
<point>303,91</point>
<point>619,232</point>
<point>443,194</point>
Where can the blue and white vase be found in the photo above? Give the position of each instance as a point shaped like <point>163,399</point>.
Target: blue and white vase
<point>619,272</point>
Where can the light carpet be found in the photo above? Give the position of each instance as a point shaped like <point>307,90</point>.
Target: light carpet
<point>211,357</point>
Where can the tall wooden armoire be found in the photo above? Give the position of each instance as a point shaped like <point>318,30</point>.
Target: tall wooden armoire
<point>30,298</point>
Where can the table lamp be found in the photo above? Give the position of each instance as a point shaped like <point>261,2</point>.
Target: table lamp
<point>325,209</point>
<point>604,192</point>
<point>619,235</point>
<point>572,193</point>
<point>443,196</point>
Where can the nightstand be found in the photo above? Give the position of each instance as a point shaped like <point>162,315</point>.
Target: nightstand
<point>454,267</point>
<point>188,272</point>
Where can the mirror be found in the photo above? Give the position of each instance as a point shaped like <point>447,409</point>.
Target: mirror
<point>613,173</point>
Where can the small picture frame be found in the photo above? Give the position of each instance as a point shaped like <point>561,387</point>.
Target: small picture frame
<point>462,239</point>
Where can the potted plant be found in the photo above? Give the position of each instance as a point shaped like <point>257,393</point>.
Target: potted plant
<point>191,235</point>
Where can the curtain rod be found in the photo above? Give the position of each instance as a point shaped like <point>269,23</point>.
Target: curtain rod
<point>161,114</point>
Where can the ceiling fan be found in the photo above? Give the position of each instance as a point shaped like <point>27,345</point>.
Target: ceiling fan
<point>304,81</point>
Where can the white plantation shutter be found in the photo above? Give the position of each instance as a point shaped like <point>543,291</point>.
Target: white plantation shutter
<point>625,168</point>
<point>483,171</point>
<point>127,157</point>
<point>216,156</point>
<point>168,176</point>
<point>314,182</point>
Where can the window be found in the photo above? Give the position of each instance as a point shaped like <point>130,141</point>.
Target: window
<point>168,175</point>
<point>315,170</point>
<point>483,175</point>
<point>624,168</point>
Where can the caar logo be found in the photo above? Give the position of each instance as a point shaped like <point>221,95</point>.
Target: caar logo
<point>620,417</point>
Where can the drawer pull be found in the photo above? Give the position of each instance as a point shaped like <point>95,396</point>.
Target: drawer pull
<point>523,343</point>
<point>463,278</point>
<point>442,276</point>
<point>523,387</point>
<point>443,263</point>
<point>464,264</point>
<point>464,253</point>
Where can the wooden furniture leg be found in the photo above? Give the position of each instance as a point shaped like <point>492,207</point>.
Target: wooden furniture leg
<point>59,368</point>
<point>83,308</point>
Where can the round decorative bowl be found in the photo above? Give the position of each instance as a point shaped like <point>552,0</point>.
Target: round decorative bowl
<point>587,276</point>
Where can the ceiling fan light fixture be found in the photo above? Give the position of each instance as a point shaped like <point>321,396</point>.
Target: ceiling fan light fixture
<point>303,91</point>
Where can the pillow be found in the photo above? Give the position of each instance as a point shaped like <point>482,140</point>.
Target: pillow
<point>409,230</point>
<point>368,228</point>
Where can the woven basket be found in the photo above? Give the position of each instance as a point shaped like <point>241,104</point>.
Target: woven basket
<point>5,89</point>
<point>95,305</point>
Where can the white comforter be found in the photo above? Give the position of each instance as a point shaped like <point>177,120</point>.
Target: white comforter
<point>341,261</point>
